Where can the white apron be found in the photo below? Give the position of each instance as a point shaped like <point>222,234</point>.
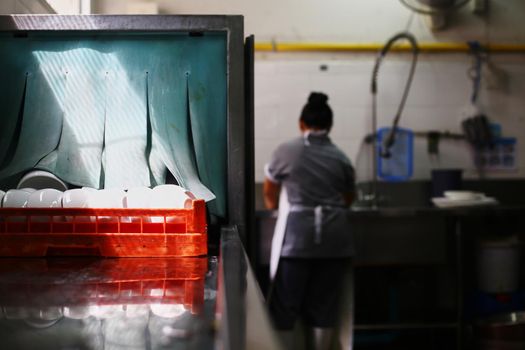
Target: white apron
<point>278,233</point>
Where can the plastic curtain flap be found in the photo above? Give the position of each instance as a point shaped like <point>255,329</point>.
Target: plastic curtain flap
<point>207,107</point>
<point>117,110</point>
<point>41,113</point>
<point>12,96</point>
<point>170,122</point>
<point>80,148</point>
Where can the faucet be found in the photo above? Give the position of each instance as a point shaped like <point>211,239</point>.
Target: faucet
<point>390,138</point>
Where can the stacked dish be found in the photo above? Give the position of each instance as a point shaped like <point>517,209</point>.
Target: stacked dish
<point>454,199</point>
<point>41,189</point>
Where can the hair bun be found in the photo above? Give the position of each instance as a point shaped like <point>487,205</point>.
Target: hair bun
<point>317,99</point>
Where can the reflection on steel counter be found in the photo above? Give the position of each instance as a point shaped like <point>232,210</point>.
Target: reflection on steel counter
<point>88,303</point>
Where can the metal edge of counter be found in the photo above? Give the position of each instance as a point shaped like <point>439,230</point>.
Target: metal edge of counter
<point>243,322</point>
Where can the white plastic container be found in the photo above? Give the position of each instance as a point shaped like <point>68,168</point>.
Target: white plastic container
<point>498,265</point>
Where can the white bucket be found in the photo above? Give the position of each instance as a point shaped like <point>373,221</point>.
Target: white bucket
<point>498,265</point>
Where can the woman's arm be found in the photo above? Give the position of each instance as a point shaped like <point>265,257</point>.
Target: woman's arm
<point>271,194</point>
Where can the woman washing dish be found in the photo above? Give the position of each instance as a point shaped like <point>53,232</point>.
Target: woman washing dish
<point>312,245</point>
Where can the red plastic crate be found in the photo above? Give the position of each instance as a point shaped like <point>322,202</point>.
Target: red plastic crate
<point>38,232</point>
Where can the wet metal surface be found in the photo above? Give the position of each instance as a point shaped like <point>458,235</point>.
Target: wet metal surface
<point>131,303</point>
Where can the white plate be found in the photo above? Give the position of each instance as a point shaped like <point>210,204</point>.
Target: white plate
<point>443,202</point>
<point>39,180</point>
<point>463,195</point>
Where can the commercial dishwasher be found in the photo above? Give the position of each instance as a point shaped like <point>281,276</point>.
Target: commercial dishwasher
<point>60,72</point>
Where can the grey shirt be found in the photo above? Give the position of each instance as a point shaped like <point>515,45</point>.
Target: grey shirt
<point>314,172</point>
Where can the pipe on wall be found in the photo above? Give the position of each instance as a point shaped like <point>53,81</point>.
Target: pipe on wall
<point>374,47</point>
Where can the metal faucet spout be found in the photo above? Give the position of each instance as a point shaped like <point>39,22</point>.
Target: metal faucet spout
<point>390,139</point>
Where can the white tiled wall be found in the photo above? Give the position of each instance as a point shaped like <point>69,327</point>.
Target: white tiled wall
<point>437,101</point>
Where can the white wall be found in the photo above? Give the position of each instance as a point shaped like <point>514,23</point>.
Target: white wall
<point>345,20</point>
<point>441,88</point>
<point>437,101</point>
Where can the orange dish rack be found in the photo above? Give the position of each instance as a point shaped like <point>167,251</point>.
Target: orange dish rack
<point>39,232</point>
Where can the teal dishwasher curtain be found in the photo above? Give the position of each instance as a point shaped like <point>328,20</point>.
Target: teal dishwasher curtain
<point>116,110</point>
<point>80,148</point>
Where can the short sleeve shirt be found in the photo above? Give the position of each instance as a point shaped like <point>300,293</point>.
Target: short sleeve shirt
<point>314,172</point>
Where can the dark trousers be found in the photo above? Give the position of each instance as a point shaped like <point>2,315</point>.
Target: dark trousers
<point>307,288</point>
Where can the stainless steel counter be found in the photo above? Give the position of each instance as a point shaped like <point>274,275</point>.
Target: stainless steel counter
<point>134,303</point>
<point>245,323</point>
<point>116,303</point>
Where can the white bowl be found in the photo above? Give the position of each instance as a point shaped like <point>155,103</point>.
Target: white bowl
<point>43,318</point>
<point>76,198</point>
<point>27,189</point>
<point>46,198</point>
<point>137,310</point>
<point>107,198</point>
<point>2,194</point>
<point>106,311</point>
<point>90,189</point>
<point>463,195</point>
<point>48,314</point>
<point>168,310</point>
<point>170,196</point>
<point>76,312</point>
<point>15,199</point>
<point>138,198</point>
<point>15,313</point>
<point>39,179</point>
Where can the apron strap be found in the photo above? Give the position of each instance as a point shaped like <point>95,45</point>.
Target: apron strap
<point>318,222</point>
<point>278,233</point>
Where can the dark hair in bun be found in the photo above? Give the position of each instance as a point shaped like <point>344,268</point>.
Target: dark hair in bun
<point>317,99</point>
<point>316,113</point>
